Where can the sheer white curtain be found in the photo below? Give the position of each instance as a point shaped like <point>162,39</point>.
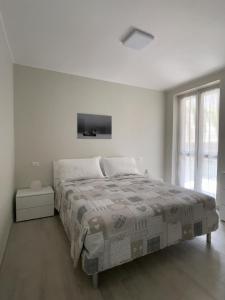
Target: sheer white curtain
<point>187,132</point>
<point>208,141</point>
<point>198,140</point>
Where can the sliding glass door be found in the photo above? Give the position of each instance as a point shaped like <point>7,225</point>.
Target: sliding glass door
<point>198,140</point>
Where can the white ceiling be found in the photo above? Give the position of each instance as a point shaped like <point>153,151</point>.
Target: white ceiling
<point>82,37</point>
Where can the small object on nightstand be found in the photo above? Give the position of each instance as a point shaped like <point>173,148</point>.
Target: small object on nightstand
<point>33,204</point>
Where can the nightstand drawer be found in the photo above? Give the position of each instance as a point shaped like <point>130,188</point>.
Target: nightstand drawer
<point>34,212</point>
<point>34,201</point>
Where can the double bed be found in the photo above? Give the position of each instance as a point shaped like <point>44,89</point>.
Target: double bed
<point>111,221</point>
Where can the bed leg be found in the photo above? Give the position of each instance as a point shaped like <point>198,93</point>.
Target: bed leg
<point>208,238</point>
<point>95,280</point>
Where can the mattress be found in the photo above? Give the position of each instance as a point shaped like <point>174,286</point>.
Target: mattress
<point>112,221</point>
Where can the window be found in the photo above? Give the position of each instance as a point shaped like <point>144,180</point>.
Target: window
<point>198,140</point>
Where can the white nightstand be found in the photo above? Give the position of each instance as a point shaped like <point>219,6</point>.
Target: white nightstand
<point>32,204</point>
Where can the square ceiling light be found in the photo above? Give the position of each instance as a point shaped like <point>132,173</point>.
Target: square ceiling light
<point>137,39</point>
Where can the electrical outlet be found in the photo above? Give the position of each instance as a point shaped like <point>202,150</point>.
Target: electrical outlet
<point>35,164</point>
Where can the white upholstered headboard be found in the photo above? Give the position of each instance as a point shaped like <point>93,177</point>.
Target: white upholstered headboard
<point>55,173</point>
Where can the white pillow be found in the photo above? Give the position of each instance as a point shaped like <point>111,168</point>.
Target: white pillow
<point>115,166</point>
<point>75,169</point>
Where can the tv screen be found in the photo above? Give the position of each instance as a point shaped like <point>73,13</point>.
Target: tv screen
<point>94,126</point>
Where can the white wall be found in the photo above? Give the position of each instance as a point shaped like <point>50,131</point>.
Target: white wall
<point>7,140</point>
<point>170,119</point>
<point>46,104</point>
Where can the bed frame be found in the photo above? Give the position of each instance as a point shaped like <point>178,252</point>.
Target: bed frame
<point>95,276</point>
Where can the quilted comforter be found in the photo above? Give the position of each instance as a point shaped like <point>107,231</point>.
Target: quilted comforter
<point>113,221</point>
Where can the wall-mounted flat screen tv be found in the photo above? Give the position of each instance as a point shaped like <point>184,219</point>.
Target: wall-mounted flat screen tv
<point>91,126</point>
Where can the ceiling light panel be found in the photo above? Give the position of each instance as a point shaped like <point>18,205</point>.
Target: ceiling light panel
<point>137,39</point>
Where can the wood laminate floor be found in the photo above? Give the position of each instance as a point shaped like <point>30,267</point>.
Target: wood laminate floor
<point>37,266</point>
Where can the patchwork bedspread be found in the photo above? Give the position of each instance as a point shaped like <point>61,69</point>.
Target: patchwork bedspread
<point>113,221</point>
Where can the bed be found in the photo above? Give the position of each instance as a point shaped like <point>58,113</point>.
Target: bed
<point>111,221</point>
